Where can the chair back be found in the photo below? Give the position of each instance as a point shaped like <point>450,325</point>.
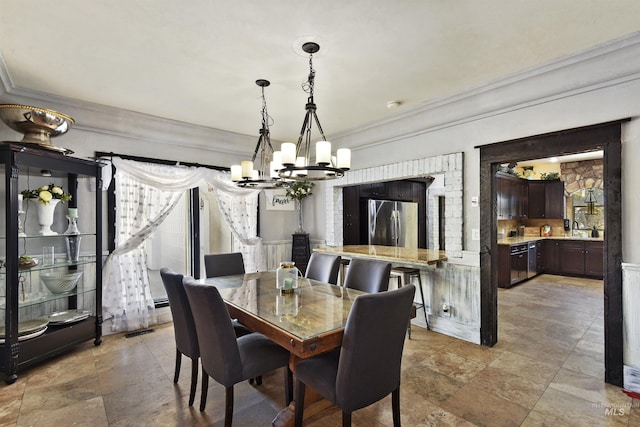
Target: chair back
<point>183,324</point>
<point>368,275</point>
<point>323,267</point>
<point>219,351</point>
<point>223,264</point>
<point>371,353</point>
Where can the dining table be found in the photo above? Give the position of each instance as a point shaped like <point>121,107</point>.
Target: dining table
<point>308,320</point>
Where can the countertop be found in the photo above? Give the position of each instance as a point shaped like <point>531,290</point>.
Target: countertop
<point>388,253</point>
<point>525,239</point>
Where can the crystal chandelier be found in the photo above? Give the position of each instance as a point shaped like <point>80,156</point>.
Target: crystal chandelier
<point>265,175</point>
<point>296,158</point>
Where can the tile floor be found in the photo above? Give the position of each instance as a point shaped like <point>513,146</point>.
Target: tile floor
<point>547,369</point>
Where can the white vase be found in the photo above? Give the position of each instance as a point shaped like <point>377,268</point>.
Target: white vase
<point>45,216</point>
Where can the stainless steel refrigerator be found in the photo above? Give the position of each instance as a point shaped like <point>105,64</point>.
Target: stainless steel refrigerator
<point>393,223</point>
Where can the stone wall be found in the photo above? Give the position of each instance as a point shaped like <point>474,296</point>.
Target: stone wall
<point>582,175</point>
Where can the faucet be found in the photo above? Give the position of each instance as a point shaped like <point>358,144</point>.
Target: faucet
<point>574,226</point>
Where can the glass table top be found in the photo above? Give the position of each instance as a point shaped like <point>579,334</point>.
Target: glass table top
<point>315,308</point>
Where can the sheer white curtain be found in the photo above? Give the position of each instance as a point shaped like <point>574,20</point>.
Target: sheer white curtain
<point>146,193</point>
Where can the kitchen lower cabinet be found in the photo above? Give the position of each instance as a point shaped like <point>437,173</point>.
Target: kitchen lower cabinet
<point>573,258</point>
<point>582,258</point>
<point>594,259</point>
<point>578,258</point>
<point>550,257</point>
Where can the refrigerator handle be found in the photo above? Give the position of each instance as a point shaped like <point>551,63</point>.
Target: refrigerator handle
<point>398,228</point>
<point>394,227</point>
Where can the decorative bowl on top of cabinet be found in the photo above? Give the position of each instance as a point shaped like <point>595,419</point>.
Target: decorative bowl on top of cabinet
<point>30,257</point>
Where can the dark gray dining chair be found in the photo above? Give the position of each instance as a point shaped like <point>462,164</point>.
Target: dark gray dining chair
<point>323,267</point>
<point>368,275</point>
<point>225,358</point>
<point>226,264</point>
<point>367,366</point>
<point>183,327</point>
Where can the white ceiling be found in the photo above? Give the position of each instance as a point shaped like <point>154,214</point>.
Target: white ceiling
<point>197,61</point>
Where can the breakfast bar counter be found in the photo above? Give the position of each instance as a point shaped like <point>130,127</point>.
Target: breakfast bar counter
<point>406,257</point>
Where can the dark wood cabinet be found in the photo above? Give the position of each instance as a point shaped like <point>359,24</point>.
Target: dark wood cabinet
<point>566,257</point>
<point>554,200</point>
<point>513,201</point>
<point>582,258</point>
<point>539,257</point>
<point>537,206</point>
<point>594,259</point>
<point>546,199</point>
<point>25,298</point>
<point>351,215</point>
<point>572,258</point>
<point>551,256</point>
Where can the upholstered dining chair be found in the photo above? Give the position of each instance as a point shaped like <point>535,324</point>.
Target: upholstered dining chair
<point>367,366</point>
<point>183,327</point>
<point>225,358</point>
<point>225,264</point>
<point>368,275</point>
<point>323,267</point>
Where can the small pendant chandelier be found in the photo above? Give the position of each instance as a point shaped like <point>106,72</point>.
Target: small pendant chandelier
<point>296,158</point>
<point>246,174</point>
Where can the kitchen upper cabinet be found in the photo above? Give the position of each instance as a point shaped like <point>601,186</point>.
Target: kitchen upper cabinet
<point>546,199</point>
<point>513,200</point>
<point>554,200</point>
<point>351,215</point>
<point>536,200</point>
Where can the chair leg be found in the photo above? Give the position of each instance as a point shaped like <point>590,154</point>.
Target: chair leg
<point>228,406</point>
<point>176,374</point>
<point>395,406</point>
<point>205,388</point>
<point>424,305</point>
<point>194,381</point>
<point>299,414</point>
<point>346,419</point>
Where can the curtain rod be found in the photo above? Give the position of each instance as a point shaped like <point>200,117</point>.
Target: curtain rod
<point>99,154</point>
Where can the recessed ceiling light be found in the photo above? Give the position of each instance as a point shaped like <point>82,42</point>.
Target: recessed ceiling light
<point>393,104</point>
<point>553,159</point>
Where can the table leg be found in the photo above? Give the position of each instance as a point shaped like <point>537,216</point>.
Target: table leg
<point>313,403</point>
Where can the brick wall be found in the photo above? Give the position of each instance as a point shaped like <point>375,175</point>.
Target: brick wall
<point>450,165</point>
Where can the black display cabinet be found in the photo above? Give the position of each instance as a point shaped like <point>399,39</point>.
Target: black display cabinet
<point>39,320</point>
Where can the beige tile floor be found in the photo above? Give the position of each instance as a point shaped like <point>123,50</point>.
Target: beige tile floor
<point>546,370</point>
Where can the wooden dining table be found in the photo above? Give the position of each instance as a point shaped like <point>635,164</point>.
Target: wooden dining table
<point>308,321</point>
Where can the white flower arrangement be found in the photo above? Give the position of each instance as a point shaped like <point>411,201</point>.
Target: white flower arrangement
<point>299,190</point>
<point>46,193</point>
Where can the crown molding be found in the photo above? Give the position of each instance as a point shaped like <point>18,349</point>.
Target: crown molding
<point>103,119</point>
<point>610,64</point>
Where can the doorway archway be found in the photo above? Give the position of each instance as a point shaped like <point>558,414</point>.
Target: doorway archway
<point>605,137</point>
